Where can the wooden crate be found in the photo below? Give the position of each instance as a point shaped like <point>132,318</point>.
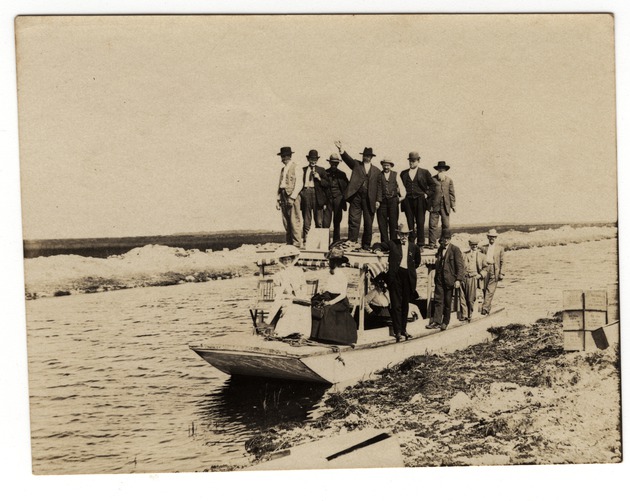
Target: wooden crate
<point>573,300</point>
<point>613,313</point>
<point>595,300</point>
<point>573,320</point>
<point>573,341</point>
<point>594,319</point>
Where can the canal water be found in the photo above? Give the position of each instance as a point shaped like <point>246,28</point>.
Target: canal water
<point>114,387</point>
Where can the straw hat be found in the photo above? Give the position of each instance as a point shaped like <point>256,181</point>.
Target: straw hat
<point>387,160</point>
<point>287,251</point>
<point>334,158</point>
<point>493,233</point>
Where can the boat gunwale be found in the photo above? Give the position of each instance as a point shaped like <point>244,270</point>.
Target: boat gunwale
<point>327,349</point>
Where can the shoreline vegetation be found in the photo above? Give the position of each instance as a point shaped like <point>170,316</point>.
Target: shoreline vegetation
<point>155,265</point>
<point>519,399</point>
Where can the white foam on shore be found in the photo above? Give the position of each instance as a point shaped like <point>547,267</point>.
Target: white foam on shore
<point>154,265</point>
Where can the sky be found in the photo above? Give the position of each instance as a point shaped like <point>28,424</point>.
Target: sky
<point>160,125</point>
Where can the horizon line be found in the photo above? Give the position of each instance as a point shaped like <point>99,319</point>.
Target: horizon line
<point>236,231</point>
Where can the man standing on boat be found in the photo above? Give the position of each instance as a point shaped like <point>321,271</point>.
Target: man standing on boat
<point>474,263</point>
<point>494,270</point>
<point>449,275</point>
<point>338,183</point>
<point>288,197</point>
<point>361,194</point>
<point>313,195</point>
<point>420,186</point>
<point>403,259</point>
<point>390,192</point>
<point>442,202</point>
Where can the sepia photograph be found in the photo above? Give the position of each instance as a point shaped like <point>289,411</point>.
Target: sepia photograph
<point>319,242</point>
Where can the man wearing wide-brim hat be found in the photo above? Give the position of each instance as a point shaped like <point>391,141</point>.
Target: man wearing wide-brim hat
<point>390,193</point>
<point>493,269</point>
<point>474,264</point>
<point>420,186</point>
<point>338,183</point>
<point>313,195</point>
<point>442,202</point>
<point>288,197</point>
<point>403,259</point>
<point>361,194</point>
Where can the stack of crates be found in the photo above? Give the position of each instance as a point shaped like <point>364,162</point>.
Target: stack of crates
<point>584,312</point>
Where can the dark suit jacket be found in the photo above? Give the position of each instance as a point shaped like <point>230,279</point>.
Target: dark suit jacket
<point>394,247</point>
<point>320,186</point>
<point>357,177</point>
<point>338,178</point>
<point>423,181</point>
<point>442,190</point>
<point>450,267</point>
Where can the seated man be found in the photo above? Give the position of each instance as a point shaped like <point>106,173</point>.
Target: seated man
<point>377,304</point>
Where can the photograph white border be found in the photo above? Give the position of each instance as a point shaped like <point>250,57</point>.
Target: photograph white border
<point>513,483</point>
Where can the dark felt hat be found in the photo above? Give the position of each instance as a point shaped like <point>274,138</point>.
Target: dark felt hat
<point>312,154</point>
<point>285,150</point>
<point>414,155</point>
<point>441,165</point>
<point>368,152</point>
<point>446,234</point>
<point>336,254</point>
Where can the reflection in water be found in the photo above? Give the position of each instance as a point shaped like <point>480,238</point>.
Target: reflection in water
<point>244,403</point>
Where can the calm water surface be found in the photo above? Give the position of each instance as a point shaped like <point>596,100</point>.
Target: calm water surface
<point>115,388</point>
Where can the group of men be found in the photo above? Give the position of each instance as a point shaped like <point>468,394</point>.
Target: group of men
<point>456,273</point>
<point>313,194</point>
<point>463,273</point>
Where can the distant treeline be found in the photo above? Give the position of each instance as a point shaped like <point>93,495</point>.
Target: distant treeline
<point>104,247</point>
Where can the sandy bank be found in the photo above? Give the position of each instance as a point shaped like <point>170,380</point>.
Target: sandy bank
<point>518,400</point>
<point>158,265</point>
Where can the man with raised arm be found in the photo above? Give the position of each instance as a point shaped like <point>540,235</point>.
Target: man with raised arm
<point>361,194</point>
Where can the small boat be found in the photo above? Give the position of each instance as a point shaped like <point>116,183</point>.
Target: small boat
<point>367,448</point>
<point>376,349</point>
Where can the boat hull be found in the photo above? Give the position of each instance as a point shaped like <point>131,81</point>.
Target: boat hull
<point>342,366</point>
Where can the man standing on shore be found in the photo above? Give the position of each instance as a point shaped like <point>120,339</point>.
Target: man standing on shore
<point>449,275</point>
<point>403,259</point>
<point>474,263</point>
<point>419,186</point>
<point>361,194</point>
<point>338,183</point>
<point>494,270</point>
<point>288,198</point>
<point>313,194</point>
<point>442,202</point>
<point>390,192</point>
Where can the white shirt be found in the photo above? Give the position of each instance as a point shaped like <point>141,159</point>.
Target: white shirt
<point>299,181</point>
<point>308,182</point>
<point>337,283</point>
<point>490,254</point>
<point>405,253</point>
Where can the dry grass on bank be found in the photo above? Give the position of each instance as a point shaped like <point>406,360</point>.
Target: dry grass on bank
<point>517,400</point>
